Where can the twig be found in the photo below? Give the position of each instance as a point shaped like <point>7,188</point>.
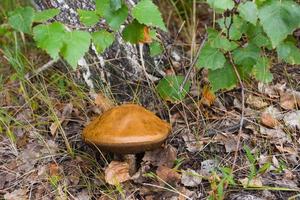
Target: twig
<point>187,76</point>
<point>242,110</point>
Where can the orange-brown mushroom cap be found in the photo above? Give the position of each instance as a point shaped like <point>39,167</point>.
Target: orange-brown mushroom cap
<point>128,128</point>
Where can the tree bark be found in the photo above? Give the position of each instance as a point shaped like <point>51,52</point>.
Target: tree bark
<point>124,71</point>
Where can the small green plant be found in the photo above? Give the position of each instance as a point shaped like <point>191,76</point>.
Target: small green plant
<point>245,36</point>
<point>252,158</point>
<point>219,184</point>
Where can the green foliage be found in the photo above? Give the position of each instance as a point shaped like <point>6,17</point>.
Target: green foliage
<point>76,43</point>
<point>134,32</point>
<point>223,78</point>
<point>261,70</point>
<point>115,4</point>
<point>102,40</point>
<point>288,52</point>
<point>146,12</point>
<point>21,19</point>
<point>88,17</point>
<point>211,58</point>
<point>246,56</point>
<point>221,5</point>
<point>169,88</point>
<point>248,11</point>
<point>155,48</point>
<point>50,38</point>
<point>279,19</point>
<point>45,15</point>
<point>115,17</point>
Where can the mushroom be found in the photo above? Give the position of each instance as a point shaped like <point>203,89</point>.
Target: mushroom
<point>127,129</point>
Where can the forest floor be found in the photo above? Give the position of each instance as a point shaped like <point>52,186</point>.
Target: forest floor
<point>207,155</point>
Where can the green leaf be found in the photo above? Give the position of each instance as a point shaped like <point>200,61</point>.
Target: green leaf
<point>102,39</point>
<point>115,4</point>
<point>210,58</point>
<point>288,52</point>
<point>155,48</point>
<point>114,18</point>
<point>248,11</point>
<point>102,6</point>
<point>223,78</point>
<point>246,56</point>
<point>169,88</point>
<point>43,16</point>
<point>221,5</point>
<point>21,19</point>
<point>279,19</point>
<point>134,32</point>
<point>50,38</point>
<point>261,70</point>
<point>216,40</point>
<point>88,17</point>
<point>237,28</point>
<point>146,12</point>
<point>76,45</point>
<point>258,37</point>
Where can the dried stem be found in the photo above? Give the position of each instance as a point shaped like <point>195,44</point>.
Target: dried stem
<point>242,110</point>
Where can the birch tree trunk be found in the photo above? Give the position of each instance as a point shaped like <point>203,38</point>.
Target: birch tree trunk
<point>125,71</point>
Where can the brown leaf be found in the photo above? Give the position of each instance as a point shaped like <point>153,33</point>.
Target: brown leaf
<point>268,120</point>
<point>167,175</point>
<point>208,96</point>
<point>103,102</point>
<point>117,172</point>
<point>289,99</point>
<point>162,156</point>
<point>256,102</point>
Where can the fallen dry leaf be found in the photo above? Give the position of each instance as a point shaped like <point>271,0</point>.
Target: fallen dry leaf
<point>190,178</point>
<point>191,142</point>
<point>20,194</point>
<point>103,102</point>
<point>292,119</point>
<point>161,157</point>
<point>117,172</point>
<point>276,136</point>
<point>268,120</point>
<point>270,90</point>
<point>289,99</point>
<point>167,175</point>
<point>255,182</point>
<point>228,140</point>
<point>256,102</point>
<point>270,117</point>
